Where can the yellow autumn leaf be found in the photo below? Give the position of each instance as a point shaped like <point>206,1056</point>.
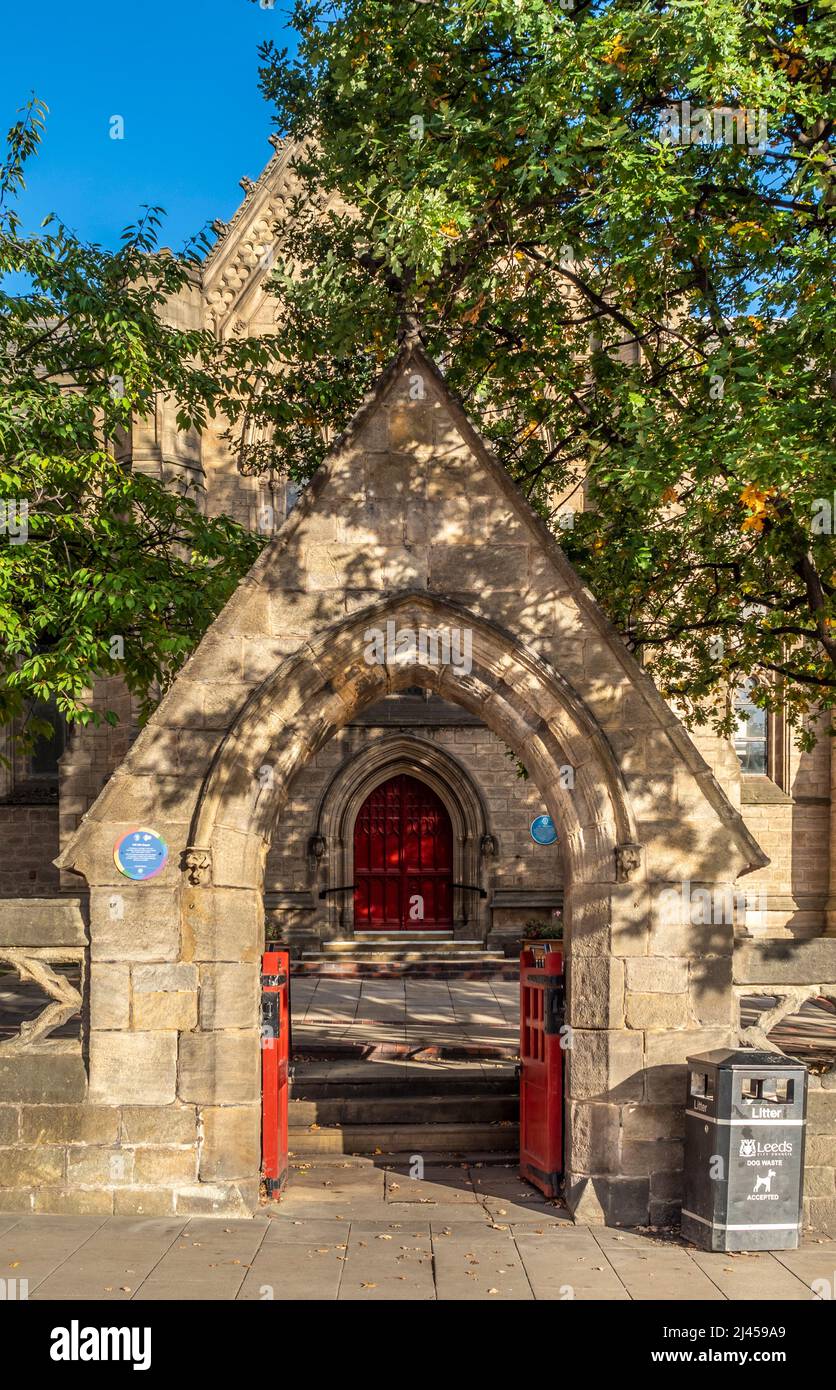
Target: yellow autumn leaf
<point>450,229</point>
<point>617,48</point>
<point>501,161</point>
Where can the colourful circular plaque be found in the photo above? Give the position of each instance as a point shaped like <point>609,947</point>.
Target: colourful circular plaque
<point>141,854</point>
<point>543,830</point>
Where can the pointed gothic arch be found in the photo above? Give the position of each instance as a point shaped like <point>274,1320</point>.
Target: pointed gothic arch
<point>446,775</point>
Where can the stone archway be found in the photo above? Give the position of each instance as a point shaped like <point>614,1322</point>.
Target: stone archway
<point>389,755</point>
<point>412,522</point>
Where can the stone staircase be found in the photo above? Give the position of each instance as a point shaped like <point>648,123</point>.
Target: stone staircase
<point>438,953</point>
<point>464,1113</point>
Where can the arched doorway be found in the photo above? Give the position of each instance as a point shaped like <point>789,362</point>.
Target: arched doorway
<point>403,859</point>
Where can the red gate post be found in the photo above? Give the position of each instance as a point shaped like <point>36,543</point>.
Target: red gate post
<point>541,1069</point>
<point>275,1051</point>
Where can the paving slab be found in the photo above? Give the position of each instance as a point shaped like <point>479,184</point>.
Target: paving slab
<point>448,1185</point>
<point>744,1276</point>
<point>303,1232</point>
<point>209,1261</point>
<point>475,1264</point>
<point>507,1213</point>
<point>295,1270</point>
<point>334,1183</point>
<point>33,1247</point>
<point>112,1264</point>
<point>388,1262</point>
<point>660,1273</point>
<point>565,1263</point>
<point>443,1213</point>
<point>810,1263</point>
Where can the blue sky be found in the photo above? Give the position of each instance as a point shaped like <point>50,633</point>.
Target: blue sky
<point>184,79</point>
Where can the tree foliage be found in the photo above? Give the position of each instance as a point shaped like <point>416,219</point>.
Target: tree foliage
<point>630,318</point>
<point>102,570</point>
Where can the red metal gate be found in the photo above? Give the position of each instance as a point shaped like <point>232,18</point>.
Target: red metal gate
<point>275,1054</point>
<point>403,859</point>
<point>541,1069</point>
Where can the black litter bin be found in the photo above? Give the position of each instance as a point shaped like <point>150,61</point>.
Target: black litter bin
<point>745,1119</point>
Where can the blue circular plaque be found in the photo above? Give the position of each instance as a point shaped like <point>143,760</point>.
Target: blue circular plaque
<point>543,830</point>
<point>141,854</point>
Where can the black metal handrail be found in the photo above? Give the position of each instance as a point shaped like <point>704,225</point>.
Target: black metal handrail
<point>472,888</point>
<point>344,888</point>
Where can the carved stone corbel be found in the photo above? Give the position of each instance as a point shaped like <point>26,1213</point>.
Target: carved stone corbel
<point>628,861</point>
<point>317,846</point>
<point>196,864</point>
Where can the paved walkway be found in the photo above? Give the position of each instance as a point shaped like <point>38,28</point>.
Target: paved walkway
<point>351,1231</point>
<point>409,1012</point>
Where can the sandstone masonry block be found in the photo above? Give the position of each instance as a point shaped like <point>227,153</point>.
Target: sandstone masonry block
<point>164,1167</point>
<point>30,1168</point>
<point>152,1124</point>
<point>220,1068</point>
<point>72,1201</point>
<point>133,1068</point>
<point>657,975</point>
<point>9,1125</point>
<point>100,1167</point>
<point>143,1201</point>
<point>606,1065</point>
<point>38,1077</point>
<point>229,995</point>
<point>222,924</point>
<point>147,929</point>
<point>819,1182</point>
<point>666,1055</point>
<point>69,1124</point>
<point>110,995</point>
<point>658,1012</point>
<point>215,1199</point>
<point>231,1142</point>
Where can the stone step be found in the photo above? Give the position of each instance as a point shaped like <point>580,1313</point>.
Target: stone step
<point>452,1138</point>
<point>407,1109</point>
<point>405,953</point>
<point>400,945</point>
<point>484,966</point>
<point>506,1158</point>
<point>429,935</point>
<point>466,1081</point>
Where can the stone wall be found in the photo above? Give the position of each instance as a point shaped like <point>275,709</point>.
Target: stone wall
<point>791,819</point>
<point>29,839</point>
<point>137,1137</point>
<point>791,972</point>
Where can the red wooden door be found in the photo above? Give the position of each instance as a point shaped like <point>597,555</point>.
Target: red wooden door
<point>275,1053</point>
<point>403,859</point>
<point>542,1039</point>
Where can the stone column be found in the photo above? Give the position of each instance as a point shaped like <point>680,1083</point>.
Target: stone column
<point>830,912</point>
<point>646,988</point>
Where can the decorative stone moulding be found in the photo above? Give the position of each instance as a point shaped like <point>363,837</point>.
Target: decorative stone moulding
<point>196,864</point>
<point>628,861</point>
